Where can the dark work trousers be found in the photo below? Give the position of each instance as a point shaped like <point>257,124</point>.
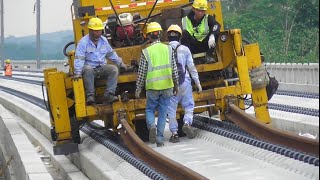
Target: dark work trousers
<point>194,45</point>
<point>108,72</point>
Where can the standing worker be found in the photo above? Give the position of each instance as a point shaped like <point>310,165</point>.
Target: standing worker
<point>90,62</point>
<point>200,30</point>
<point>158,72</point>
<point>185,67</point>
<point>7,68</point>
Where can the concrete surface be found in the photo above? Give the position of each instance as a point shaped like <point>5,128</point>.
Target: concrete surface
<point>26,162</point>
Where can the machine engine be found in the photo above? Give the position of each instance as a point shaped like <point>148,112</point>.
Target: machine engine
<point>122,31</point>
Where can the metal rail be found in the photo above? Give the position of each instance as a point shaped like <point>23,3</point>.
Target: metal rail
<point>168,167</point>
<point>267,133</point>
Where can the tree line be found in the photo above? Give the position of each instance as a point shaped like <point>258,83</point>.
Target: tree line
<point>286,30</point>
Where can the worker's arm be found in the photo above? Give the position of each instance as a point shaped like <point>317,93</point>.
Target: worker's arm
<point>113,56</point>
<point>142,73</point>
<point>191,67</point>
<point>80,58</point>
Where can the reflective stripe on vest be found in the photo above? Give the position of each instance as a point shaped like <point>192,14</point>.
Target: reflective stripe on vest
<point>8,71</point>
<point>200,32</point>
<point>159,76</point>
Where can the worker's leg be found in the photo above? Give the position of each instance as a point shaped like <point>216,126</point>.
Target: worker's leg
<point>187,104</point>
<point>164,100</point>
<point>172,109</point>
<point>88,75</point>
<point>110,73</point>
<point>152,103</point>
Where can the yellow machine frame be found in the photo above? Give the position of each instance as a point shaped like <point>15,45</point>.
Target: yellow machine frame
<point>67,97</point>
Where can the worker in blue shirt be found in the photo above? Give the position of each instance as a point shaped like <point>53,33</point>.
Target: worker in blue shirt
<point>90,62</point>
<point>186,68</point>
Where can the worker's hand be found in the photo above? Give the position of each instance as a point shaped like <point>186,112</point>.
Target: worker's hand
<point>123,66</point>
<point>176,90</point>
<point>137,94</point>
<point>212,41</point>
<point>199,87</point>
<point>76,77</point>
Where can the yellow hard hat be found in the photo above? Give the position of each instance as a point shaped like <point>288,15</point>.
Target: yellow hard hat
<point>8,61</point>
<point>200,4</point>
<point>175,27</point>
<point>153,26</point>
<point>95,24</point>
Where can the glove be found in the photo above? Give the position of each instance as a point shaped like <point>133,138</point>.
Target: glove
<point>137,94</point>
<point>212,41</point>
<point>199,87</point>
<point>176,90</point>
<point>123,66</point>
<point>76,77</point>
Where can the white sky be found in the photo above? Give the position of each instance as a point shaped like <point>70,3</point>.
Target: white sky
<point>19,19</point>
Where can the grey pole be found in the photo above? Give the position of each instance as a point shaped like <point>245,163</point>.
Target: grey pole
<point>2,35</point>
<point>38,34</point>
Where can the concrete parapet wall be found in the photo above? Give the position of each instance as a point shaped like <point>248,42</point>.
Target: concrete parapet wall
<point>295,73</point>
<point>25,161</point>
<point>32,64</point>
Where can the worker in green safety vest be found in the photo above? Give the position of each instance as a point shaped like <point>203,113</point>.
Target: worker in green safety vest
<point>158,73</point>
<point>200,30</point>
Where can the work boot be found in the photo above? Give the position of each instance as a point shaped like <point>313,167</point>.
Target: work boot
<point>160,144</point>
<point>152,134</point>
<point>90,100</point>
<point>188,130</point>
<point>174,138</point>
<point>109,99</point>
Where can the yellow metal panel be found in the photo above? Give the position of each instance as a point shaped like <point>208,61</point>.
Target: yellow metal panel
<point>46,72</point>
<point>59,105</point>
<point>243,72</point>
<point>259,96</point>
<point>209,67</point>
<point>79,96</point>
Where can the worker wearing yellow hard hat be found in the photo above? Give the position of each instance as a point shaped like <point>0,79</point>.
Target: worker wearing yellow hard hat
<point>8,68</point>
<point>158,74</point>
<point>92,53</point>
<point>186,71</point>
<point>200,30</point>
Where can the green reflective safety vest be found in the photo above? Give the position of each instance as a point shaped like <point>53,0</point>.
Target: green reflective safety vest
<point>159,76</point>
<point>200,32</point>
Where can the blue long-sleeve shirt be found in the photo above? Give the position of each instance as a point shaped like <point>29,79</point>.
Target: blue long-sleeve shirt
<point>87,53</point>
<point>186,60</point>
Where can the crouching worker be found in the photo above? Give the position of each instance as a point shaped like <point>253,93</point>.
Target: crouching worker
<point>185,67</point>
<point>158,70</point>
<point>90,63</point>
<point>8,68</point>
<point>201,30</point>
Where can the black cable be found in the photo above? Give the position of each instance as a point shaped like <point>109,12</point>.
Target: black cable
<point>154,5</point>
<point>47,105</point>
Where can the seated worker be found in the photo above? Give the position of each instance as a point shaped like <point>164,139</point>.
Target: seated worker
<point>185,68</point>
<point>8,68</point>
<point>158,73</point>
<point>90,62</point>
<point>200,30</point>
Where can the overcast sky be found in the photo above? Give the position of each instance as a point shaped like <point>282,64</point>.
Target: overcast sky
<point>19,19</point>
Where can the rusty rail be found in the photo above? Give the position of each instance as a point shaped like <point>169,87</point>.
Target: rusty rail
<point>164,165</point>
<point>267,133</point>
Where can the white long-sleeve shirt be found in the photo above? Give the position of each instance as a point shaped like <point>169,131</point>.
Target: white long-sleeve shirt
<point>186,60</point>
